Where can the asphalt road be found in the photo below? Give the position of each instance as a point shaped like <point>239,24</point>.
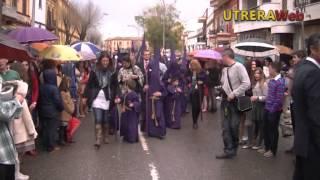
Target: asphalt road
<point>185,154</point>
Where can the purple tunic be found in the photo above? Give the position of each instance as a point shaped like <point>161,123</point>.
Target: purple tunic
<point>173,108</point>
<point>130,118</point>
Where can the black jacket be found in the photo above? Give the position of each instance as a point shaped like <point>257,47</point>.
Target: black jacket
<point>92,89</point>
<point>50,101</point>
<point>306,108</point>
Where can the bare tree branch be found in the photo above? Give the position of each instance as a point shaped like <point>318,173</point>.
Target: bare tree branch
<point>90,15</point>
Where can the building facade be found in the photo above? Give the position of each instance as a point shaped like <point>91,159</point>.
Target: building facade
<point>40,13</point>
<point>55,20</point>
<point>287,33</point>
<point>222,32</point>
<point>16,13</point>
<point>124,44</point>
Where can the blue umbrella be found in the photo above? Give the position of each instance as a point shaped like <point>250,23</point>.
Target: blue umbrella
<point>87,50</point>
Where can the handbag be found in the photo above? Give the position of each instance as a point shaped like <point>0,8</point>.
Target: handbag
<point>73,125</point>
<point>244,103</point>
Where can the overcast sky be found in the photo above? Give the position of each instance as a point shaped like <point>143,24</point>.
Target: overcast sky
<point>121,13</point>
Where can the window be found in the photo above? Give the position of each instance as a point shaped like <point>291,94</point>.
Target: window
<point>314,1</point>
<point>24,7</point>
<point>14,3</point>
<point>266,1</point>
<point>40,4</point>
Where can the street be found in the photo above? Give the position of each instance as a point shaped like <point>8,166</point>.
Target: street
<point>185,154</point>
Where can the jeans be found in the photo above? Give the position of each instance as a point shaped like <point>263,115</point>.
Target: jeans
<point>212,99</point>
<point>230,127</point>
<point>101,116</point>
<point>50,132</point>
<point>195,105</point>
<point>7,172</point>
<point>271,131</point>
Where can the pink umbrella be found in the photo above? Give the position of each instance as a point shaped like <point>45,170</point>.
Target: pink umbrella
<point>208,54</point>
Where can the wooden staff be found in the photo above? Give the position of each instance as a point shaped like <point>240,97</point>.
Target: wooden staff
<point>154,116</point>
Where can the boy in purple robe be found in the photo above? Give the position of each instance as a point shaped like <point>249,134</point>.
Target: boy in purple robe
<point>130,109</point>
<point>173,109</point>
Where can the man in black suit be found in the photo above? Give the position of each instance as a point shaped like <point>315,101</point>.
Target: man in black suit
<point>306,97</point>
<point>143,66</point>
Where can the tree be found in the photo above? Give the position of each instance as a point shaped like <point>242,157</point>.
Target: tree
<point>70,21</point>
<point>152,21</point>
<point>90,14</point>
<point>95,37</point>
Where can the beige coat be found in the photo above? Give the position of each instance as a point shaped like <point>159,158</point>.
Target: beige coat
<point>68,104</point>
<point>23,128</point>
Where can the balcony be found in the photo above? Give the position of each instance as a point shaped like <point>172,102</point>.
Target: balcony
<point>312,10</point>
<point>217,3</point>
<point>10,11</point>
<point>202,19</point>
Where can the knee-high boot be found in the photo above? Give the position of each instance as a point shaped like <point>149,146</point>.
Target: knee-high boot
<point>106,134</point>
<point>98,131</point>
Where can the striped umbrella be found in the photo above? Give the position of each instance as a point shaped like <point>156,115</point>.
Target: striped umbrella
<point>87,50</point>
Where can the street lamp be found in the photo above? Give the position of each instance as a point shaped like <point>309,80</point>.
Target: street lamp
<point>164,25</point>
<point>301,6</point>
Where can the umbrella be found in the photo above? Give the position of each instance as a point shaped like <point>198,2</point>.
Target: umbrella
<point>12,50</point>
<point>39,46</point>
<point>31,35</point>
<point>255,48</point>
<point>284,49</point>
<point>208,54</point>
<point>61,53</point>
<point>87,50</point>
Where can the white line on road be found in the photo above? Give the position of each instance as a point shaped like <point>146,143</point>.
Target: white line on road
<point>152,168</point>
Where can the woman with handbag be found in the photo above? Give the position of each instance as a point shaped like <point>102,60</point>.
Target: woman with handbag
<point>100,93</point>
<point>197,79</point>
<point>66,114</point>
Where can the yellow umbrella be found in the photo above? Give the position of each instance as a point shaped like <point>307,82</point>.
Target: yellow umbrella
<point>60,53</point>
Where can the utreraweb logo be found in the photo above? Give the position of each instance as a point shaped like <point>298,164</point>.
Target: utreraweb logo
<point>260,15</point>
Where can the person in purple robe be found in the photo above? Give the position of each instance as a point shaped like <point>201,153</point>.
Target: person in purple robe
<point>130,108</point>
<point>155,92</point>
<point>173,108</point>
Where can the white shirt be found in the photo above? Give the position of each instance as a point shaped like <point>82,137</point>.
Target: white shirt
<point>313,61</point>
<point>100,102</point>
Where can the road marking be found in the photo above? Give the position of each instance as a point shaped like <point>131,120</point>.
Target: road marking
<point>154,172</point>
<point>152,168</point>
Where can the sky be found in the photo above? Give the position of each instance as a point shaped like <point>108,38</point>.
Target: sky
<point>121,14</point>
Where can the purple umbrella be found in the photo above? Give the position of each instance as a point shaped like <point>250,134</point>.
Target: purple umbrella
<point>31,35</point>
<point>208,54</point>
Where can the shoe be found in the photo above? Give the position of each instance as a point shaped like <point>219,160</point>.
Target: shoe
<point>224,156</point>
<point>82,116</point>
<point>289,151</point>
<point>105,134</point>
<point>21,176</point>
<point>98,131</point>
<point>246,147</point>
<point>32,153</point>
<point>195,126</point>
<point>161,137</point>
<point>268,154</point>
<point>261,151</point>
<point>256,147</point>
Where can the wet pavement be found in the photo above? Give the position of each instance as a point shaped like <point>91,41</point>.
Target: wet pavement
<point>185,154</point>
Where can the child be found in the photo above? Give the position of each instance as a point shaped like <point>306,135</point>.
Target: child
<point>130,108</point>
<point>66,114</point>
<point>273,109</point>
<point>173,109</point>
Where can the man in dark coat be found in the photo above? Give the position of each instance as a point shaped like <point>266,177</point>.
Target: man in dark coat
<point>306,109</point>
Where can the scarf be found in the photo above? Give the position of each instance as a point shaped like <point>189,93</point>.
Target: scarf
<point>104,77</point>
